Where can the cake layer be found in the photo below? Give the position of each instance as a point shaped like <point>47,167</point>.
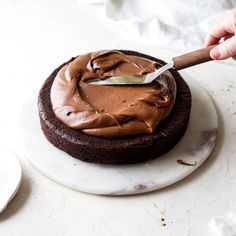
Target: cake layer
<point>119,150</point>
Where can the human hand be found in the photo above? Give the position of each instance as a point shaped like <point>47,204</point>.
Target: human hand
<point>226,29</point>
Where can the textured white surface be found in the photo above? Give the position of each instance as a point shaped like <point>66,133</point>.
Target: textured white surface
<point>36,36</point>
<point>224,225</point>
<point>194,148</point>
<point>10,177</point>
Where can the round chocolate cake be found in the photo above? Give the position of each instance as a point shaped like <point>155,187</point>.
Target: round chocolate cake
<point>113,124</point>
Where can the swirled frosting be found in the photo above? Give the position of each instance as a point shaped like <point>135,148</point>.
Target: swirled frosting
<point>111,111</point>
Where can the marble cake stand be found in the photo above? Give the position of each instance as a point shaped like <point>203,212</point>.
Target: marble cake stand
<point>192,150</point>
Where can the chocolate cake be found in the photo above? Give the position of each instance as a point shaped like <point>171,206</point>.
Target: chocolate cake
<point>123,131</point>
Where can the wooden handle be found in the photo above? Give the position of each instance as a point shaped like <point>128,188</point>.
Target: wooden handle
<point>192,58</point>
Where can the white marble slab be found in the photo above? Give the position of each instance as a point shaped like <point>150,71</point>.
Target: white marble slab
<point>10,177</point>
<point>194,148</point>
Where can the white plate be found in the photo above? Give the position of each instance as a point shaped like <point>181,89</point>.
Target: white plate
<point>193,148</point>
<point>10,177</point>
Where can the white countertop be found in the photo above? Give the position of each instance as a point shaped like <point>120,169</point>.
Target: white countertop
<point>35,37</point>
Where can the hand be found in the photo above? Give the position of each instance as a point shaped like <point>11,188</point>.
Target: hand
<point>226,29</point>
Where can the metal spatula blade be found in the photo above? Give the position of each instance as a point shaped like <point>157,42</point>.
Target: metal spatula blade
<point>133,79</point>
<point>121,80</point>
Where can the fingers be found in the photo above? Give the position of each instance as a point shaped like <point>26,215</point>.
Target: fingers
<point>216,34</point>
<point>211,40</point>
<point>224,50</point>
<point>225,28</point>
<point>227,36</point>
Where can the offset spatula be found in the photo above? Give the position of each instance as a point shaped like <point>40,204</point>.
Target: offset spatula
<point>178,63</point>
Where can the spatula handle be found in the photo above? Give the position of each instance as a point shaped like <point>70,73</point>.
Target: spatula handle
<point>192,58</point>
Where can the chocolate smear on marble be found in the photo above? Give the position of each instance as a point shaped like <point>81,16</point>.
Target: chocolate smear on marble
<point>186,163</point>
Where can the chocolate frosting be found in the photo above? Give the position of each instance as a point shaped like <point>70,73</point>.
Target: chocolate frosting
<point>111,111</point>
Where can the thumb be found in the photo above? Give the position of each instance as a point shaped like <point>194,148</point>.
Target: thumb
<point>224,50</point>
